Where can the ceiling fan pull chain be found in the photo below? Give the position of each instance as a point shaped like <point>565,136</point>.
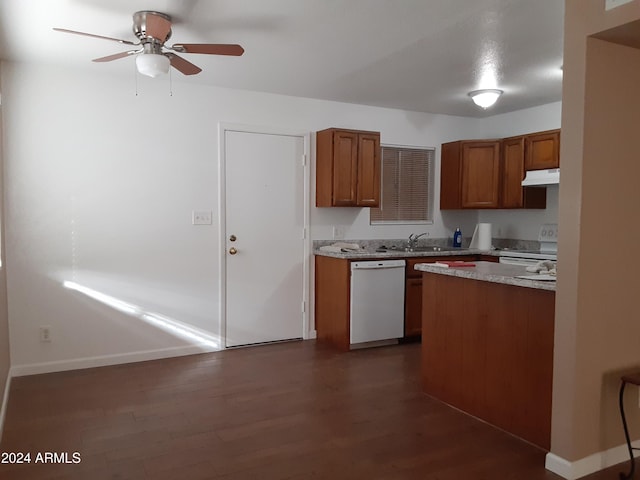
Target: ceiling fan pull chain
<point>135,76</point>
<point>170,84</point>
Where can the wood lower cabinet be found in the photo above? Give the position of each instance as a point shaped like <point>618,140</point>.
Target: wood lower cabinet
<point>413,293</point>
<point>413,307</point>
<point>347,168</point>
<point>489,352</point>
<point>332,297</point>
<point>488,258</point>
<point>542,150</point>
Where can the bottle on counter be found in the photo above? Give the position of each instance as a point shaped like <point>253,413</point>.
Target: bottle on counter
<point>457,238</point>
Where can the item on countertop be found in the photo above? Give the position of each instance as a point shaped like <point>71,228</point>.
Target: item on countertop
<point>544,267</point>
<point>481,238</point>
<point>454,263</point>
<point>457,238</point>
<point>342,247</point>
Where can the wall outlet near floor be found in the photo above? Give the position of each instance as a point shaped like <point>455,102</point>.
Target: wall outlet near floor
<point>45,333</point>
<point>201,217</point>
<point>338,232</point>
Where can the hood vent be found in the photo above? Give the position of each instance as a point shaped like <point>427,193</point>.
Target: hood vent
<point>542,177</point>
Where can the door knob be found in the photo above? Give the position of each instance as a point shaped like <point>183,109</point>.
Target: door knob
<point>233,251</point>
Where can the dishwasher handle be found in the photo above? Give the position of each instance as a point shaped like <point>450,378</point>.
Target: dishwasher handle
<point>377,264</point>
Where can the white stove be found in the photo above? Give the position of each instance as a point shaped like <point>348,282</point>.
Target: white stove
<point>548,238</point>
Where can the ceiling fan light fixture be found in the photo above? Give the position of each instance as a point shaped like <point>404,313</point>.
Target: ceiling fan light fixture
<point>485,98</point>
<point>152,64</point>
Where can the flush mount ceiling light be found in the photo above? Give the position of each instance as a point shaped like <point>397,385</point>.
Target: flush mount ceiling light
<point>152,64</point>
<point>485,98</point>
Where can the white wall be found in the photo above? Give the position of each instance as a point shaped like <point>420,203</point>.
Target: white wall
<point>522,224</point>
<point>4,316</point>
<point>100,185</point>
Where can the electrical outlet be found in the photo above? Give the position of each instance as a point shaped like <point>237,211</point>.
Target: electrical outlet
<point>338,232</point>
<point>201,217</point>
<point>45,333</point>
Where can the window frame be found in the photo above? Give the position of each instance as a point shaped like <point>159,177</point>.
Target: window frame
<point>430,186</point>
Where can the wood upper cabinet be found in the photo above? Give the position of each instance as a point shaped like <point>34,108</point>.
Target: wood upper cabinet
<point>489,173</point>
<point>344,163</point>
<point>347,168</point>
<point>450,176</point>
<point>513,194</point>
<point>470,174</point>
<point>542,150</point>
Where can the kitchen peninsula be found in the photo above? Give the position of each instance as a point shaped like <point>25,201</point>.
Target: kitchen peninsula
<point>487,345</point>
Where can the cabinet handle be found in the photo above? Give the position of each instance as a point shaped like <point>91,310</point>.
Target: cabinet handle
<point>233,251</point>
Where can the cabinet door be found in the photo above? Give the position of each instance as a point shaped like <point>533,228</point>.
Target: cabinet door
<point>450,176</point>
<point>543,150</point>
<point>345,168</point>
<point>512,172</point>
<point>413,307</point>
<point>368,180</point>
<point>514,195</point>
<point>413,292</point>
<point>480,174</point>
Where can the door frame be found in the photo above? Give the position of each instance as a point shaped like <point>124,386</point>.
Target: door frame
<point>224,127</point>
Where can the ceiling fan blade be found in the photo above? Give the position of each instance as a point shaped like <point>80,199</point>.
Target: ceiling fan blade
<point>115,56</point>
<point>209,48</point>
<point>183,65</point>
<point>158,27</point>
<point>64,30</point>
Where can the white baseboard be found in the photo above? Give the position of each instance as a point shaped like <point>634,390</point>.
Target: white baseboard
<point>5,400</point>
<point>587,465</point>
<point>104,360</point>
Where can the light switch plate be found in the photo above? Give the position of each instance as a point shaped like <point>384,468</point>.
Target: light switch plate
<point>201,217</point>
<point>609,4</point>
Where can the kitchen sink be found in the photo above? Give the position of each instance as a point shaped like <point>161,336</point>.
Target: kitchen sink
<point>432,248</point>
<point>421,248</point>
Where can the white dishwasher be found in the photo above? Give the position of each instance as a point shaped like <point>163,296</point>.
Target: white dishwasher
<point>377,301</point>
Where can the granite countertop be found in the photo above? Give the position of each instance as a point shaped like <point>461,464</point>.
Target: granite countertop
<point>491,272</point>
<point>371,253</point>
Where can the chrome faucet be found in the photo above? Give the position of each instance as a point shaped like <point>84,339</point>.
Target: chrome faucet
<point>413,239</point>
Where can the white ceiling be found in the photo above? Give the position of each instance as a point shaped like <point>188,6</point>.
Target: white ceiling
<point>421,55</point>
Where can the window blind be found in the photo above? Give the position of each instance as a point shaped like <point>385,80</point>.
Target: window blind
<point>407,186</point>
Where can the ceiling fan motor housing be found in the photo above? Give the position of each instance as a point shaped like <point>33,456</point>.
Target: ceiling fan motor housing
<point>152,27</point>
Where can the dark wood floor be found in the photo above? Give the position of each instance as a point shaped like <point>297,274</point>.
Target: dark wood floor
<point>283,411</point>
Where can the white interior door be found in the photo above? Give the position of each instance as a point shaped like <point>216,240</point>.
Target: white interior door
<point>264,237</point>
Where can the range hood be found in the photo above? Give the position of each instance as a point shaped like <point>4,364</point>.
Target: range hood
<point>542,177</point>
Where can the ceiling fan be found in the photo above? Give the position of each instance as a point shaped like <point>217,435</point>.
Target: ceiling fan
<point>153,29</point>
